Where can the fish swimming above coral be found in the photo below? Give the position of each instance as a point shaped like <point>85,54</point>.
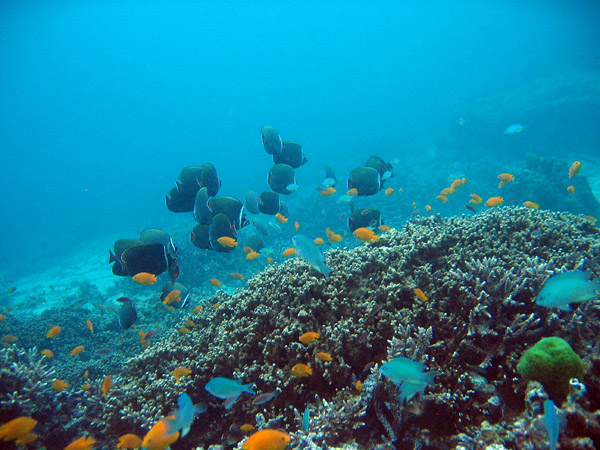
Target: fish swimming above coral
<point>569,287</point>
<point>309,252</point>
<point>408,375</point>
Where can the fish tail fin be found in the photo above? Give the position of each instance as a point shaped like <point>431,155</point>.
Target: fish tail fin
<point>112,257</point>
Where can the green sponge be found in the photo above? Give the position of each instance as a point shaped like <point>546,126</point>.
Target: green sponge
<point>553,363</point>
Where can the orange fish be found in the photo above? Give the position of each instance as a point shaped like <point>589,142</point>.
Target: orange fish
<point>571,189</point>
<point>319,241</point>
<point>215,282</point>
<point>335,238</point>
<point>86,386</point>
<point>384,228</point>
<point>89,326</point>
<point>288,252</point>
<point>532,205</point>
<point>184,330</point>
<point>494,201</point>
<point>197,309</point>
<point>226,241</point>
<point>59,385</point>
<point>180,372</point>
<point>309,337</point>
<point>447,191</point>
<point>173,296</point>
<point>247,428</point>
<point>160,437</point>
<point>464,180</point>
<point>322,356</point>
<point>389,191</point>
<point>83,443</point>
<point>16,428</point>
<point>358,386</point>
<point>365,235</point>
<point>296,225</point>
<point>269,259</point>
<point>574,169</point>
<point>189,323</point>
<point>353,192</point>
<point>144,278</point>
<point>53,332</point>
<point>107,384</point>
<point>428,208</point>
<point>237,276</point>
<point>267,439</point>
<point>48,353</point>
<point>421,295</point>
<point>507,177</point>
<point>77,350</point>
<point>129,441</point>
<point>2,317</point>
<point>591,218</point>
<point>247,249</point>
<point>86,374</point>
<point>281,218</point>
<point>9,339</point>
<point>301,370</point>
<point>26,439</point>
<point>252,255</point>
<point>456,184</point>
<point>328,231</point>
<point>327,192</point>
<point>442,198</point>
<point>501,184</point>
<point>475,199</point>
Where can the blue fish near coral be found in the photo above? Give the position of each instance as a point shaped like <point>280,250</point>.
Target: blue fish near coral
<point>184,416</point>
<point>309,252</point>
<point>568,287</point>
<point>408,375</point>
<point>552,424</point>
<point>225,387</point>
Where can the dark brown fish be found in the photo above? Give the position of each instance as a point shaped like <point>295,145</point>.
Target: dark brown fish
<point>470,208</point>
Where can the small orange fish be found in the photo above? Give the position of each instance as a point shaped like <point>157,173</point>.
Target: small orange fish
<point>494,201</point>
<point>389,191</point>
<point>475,199</point>
<point>237,276</point>
<point>456,184</point>
<point>180,372</point>
<point>301,370</point>
<point>252,255</point>
<point>107,384</point>
<point>47,353</point>
<point>88,324</point>
<point>86,374</point>
<point>288,252</point>
<point>428,208</point>
<point>328,231</point>
<point>86,386</point>
<point>507,177</point>
<point>501,184</point>
<point>77,350</point>
<point>83,443</point>
<point>447,191</point>
<point>59,385</point>
<point>358,386</point>
<point>215,282</point>
<point>319,241</point>
<point>267,439</point>
<point>335,238</point>
<point>384,228</point>
<point>189,323</point>
<point>173,296</point>
<point>269,259</point>
<point>247,428</point>
<point>9,339</point>
<point>53,332</point>
<point>353,192</point>
<point>309,337</point>
<point>327,192</point>
<point>532,205</point>
<point>296,225</point>
<point>571,189</point>
<point>197,309</point>
<point>464,180</point>
<point>26,439</point>
<point>421,295</point>
<point>365,235</point>
<point>129,441</point>
<point>442,198</point>
<point>2,317</point>
<point>184,330</point>
<point>281,218</point>
<point>158,438</point>
<point>144,278</point>
<point>16,428</point>
<point>322,356</point>
<point>226,241</point>
<point>591,218</point>
<point>247,249</point>
<point>574,169</point>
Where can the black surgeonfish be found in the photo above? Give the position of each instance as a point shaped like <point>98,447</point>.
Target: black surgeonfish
<point>364,218</point>
<point>281,176</point>
<point>202,212</point>
<point>269,203</point>
<point>366,180</point>
<point>271,140</point>
<point>184,294</point>
<point>221,227</point>
<point>127,315</point>
<point>385,169</point>
<point>230,207</point>
<point>189,176</point>
<point>150,258</point>
<point>251,199</point>
<point>209,179</point>
<point>291,154</point>
<point>120,246</point>
<point>156,236</point>
<point>199,237</point>
<point>179,201</point>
